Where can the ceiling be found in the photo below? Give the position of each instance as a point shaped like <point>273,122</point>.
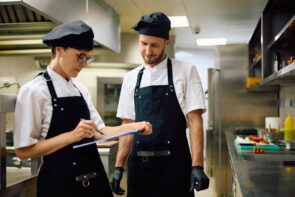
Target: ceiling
<point>234,20</point>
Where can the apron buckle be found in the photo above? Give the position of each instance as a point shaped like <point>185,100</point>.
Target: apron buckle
<point>144,159</point>
<point>84,178</point>
<point>85,183</point>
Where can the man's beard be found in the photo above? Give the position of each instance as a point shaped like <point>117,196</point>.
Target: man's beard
<point>156,60</point>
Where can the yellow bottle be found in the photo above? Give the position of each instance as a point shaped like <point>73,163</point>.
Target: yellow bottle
<point>289,128</point>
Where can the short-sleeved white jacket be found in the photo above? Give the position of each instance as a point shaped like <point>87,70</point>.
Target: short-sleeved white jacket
<point>188,86</point>
<point>33,109</point>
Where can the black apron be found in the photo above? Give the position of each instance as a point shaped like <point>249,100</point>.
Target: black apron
<point>69,172</point>
<point>159,164</point>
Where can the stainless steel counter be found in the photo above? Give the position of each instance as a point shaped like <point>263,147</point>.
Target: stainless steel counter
<point>108,153</point>
<point>263,178</point>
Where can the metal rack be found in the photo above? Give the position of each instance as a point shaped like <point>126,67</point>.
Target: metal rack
<point>7,104</point>
<point>27,186</point>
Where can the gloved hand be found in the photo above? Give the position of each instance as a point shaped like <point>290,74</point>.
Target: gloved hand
<point>115,184</point>
<point>199,179</point>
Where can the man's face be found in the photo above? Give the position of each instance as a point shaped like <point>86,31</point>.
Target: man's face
<point>72,61</point>
<point>152,49</point>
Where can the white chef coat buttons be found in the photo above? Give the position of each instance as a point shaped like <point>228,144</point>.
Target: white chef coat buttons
<point>168,142</point>
<point>166,93</point>
<point>54,100</point>
<point>55,105</point>
<point>74,163</point>
<point>61,109</point>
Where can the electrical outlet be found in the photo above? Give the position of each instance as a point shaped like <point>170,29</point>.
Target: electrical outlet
<point>292,103</point>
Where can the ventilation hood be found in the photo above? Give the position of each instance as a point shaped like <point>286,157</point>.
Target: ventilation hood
<point>24,23</point>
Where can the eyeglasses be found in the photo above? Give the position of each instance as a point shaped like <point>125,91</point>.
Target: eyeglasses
<point>82,58</point>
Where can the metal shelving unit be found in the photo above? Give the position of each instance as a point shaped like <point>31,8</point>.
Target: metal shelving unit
<point>285,39</point>
<point>277,42</point>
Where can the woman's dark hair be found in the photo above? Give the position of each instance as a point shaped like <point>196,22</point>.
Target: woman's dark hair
<point>53,51</point>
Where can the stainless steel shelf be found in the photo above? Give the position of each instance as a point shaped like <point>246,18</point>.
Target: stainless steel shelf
<point>271,83</point>
<point>286,37</point>
<point>256,64</point>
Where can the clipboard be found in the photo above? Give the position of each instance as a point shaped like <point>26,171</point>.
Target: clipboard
<point>106,139</point>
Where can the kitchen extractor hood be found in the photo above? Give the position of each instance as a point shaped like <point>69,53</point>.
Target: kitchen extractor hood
<point>24,23</point>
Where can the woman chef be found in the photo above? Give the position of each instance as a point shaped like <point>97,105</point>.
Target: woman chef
<point>54,112</point>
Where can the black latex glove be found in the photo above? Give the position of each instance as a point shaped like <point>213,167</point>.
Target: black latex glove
<point>199,179</point>
<point>115,184</point>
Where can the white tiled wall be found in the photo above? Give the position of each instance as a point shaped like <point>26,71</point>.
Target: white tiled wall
<point>15,69</point>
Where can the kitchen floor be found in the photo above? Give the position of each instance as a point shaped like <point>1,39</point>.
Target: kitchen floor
<point>210,192</point>
<point>14,175</point>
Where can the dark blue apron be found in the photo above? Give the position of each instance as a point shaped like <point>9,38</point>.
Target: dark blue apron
<point>69,172</point>
<point>159,164</point>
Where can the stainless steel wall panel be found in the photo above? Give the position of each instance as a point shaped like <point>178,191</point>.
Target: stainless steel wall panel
<point>240,107</point>
<point>234,106</point>
<point>287,96</point>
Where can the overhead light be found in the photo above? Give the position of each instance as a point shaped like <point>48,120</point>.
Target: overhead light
<point>178,21</point>
<point>211,41</point>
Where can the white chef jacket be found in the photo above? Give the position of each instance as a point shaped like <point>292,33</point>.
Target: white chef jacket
<point>187,83</point>
<point>33,109</point>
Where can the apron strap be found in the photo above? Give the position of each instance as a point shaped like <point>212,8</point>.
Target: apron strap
<point>50,85</point>
<point>139,77</point>
<point>170,76</point>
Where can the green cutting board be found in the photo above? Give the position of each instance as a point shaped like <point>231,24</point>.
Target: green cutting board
<point>270,146</point>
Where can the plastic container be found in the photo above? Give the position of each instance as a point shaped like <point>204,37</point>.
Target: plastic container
<point>289,128</point>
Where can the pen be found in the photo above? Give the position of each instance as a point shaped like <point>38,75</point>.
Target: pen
<point>99,131</point>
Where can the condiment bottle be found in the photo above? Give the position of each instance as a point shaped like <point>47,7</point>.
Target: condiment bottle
<point>289,128</point>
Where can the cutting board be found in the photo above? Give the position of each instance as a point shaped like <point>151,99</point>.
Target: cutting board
<point>243,144</point>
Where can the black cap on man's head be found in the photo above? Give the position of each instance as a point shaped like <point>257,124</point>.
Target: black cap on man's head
<point>76,34</point>
<point>155,24</point>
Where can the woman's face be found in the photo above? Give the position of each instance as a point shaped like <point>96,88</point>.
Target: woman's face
<point>71,61</point>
